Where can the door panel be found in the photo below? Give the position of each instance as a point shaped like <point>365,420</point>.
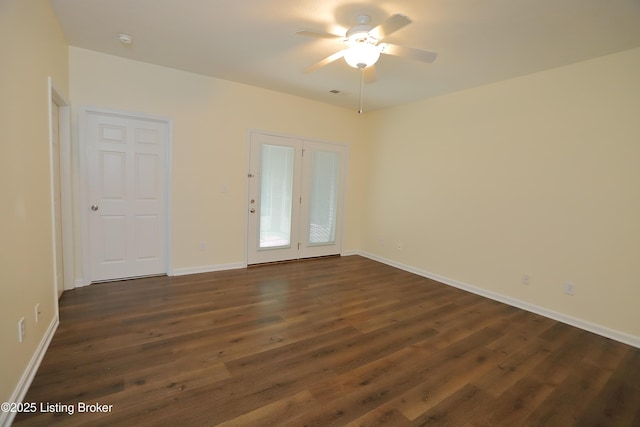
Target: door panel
<point>126,159</point>
<point>295,199</point>
<point>147,176</point>
<point>148,244</point>
<point>112,175</point>
<point>113,231</point>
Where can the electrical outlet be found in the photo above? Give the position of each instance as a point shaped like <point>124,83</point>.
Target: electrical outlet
<point>569,288</point>
<point>20,329</point>
<point>203,246</point>
<point>37,312</point>
<point>525,279</point>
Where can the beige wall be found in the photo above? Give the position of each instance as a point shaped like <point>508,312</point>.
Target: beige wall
<point>32,47</point>
<point>211,120</point>
<point>537,175</point>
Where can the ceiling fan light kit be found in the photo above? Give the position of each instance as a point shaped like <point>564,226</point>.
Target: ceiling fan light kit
<point>362,54</point>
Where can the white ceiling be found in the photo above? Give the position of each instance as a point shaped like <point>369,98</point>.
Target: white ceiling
<point>254,41</point>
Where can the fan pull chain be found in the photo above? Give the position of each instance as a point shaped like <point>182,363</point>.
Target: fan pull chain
<point>360,111</point>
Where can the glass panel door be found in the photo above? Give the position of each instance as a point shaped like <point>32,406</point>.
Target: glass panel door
<point>321,207</point>
<point>273,199</point>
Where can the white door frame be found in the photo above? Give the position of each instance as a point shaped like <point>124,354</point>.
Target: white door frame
<point>83,210</point>
<point>343,196</point>
<point>66,193</point>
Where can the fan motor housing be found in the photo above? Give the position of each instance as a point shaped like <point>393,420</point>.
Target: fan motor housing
<point>359,32</point>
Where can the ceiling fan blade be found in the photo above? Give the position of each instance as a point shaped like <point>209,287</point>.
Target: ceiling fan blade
<point>318,35</point>
<point>408,52</point>
<point>370,74</point>
<point>325,61</point>
<point>390,25</point>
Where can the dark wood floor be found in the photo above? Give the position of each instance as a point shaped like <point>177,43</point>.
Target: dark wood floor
<point>334,341</point>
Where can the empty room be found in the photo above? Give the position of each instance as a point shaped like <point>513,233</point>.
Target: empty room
<point>303,213</point>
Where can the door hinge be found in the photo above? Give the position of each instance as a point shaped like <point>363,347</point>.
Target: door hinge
<point>300,200</point>
<point>303,150</point>
<point>298,245</point>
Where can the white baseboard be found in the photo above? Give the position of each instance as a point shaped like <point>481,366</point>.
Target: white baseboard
<point>79,283</point>
<point>350,253</point>
<point>6,418</point>
<point>207,269</point>
<point>569,320</point>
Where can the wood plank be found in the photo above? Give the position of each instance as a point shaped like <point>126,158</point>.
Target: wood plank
<point>284,412</point>
<point>570,398</point>
<point>380,417</point>
<point>618,403</point>
<point>437,378</point>
<point>456,409</point>
<point>516,403</point>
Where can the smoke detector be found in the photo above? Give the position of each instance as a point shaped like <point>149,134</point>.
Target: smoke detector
<point>125,38</point>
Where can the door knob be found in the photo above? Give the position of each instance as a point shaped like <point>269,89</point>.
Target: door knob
<point>94,207</point>
<point>252,210</point>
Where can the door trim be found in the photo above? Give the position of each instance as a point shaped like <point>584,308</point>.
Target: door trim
<point>343,196</point>
<point>83,113</point>
<point>66,194</point>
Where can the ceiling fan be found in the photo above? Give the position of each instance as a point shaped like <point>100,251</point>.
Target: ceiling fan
<point>363,47</point>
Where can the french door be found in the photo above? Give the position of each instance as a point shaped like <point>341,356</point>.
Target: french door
<point>295,198</point>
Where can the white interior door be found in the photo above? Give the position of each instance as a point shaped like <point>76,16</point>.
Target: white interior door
<point>295,199</point>
<point>126,173</point>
